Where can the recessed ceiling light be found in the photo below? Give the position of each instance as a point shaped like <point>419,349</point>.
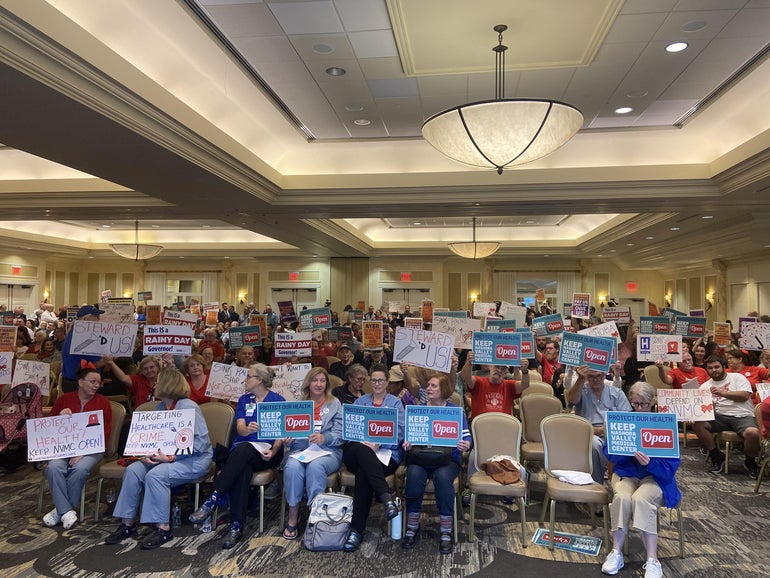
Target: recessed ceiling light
<point>675,228</point>
<point>335,71</point>
<point>623,110</point>
<point>226,257</point>
<point>638,94</point>
<point>362,122</point>
<point>530,222</point>
<point>676,47</point>
<point>354,108</point>
<point>613,250</point>
<point>649,238</point>
<point>629,244</point>
<point>416,223</point>
<point>181,257</point>
<point>322,48</point>
<point>707,217</point>
<point>693,26</point>
<point>600,255</point>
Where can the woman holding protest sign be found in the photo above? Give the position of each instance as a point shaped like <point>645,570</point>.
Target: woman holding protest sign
<point>372,463</point>
<point>313,459</point>
<point>441,464</point>
<point>141,386</point>
<point>640,485</point>
<point>67,476</point>
<point>157,473</point>
<point>248,453</point>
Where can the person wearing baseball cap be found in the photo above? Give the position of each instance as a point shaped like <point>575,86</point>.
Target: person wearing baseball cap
<point>71,362</point>
<point>345,354</point>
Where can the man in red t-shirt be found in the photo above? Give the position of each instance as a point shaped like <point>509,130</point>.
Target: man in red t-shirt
<point>493,393</point>
<point>683,373</point>
<point>548,360</point>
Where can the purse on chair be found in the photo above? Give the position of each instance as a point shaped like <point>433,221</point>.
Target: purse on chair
<point>429,456</point>
<point>329,522</point>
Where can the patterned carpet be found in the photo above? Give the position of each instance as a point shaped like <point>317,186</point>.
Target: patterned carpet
<point>727,530</point>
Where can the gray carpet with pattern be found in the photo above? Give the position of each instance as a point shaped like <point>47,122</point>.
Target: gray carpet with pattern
<point>727,529</point>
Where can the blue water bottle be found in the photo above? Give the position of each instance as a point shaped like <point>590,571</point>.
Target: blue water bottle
<point>397,522</point>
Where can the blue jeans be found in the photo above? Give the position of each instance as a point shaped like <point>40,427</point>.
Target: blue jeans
<point>66,482</point>
<point>298,476</point>
<point>443,478</point>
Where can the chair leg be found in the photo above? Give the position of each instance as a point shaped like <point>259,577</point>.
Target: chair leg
<point>283,509</point>
<point>40,497</point>
<point>261,509</point>
<point>681,531</point>
<point>761,475</point>
<point>99,483</point>
<point>454,520</point>
<point>607,542</point>
<point>471,533</point>
<point>553,523</point>
<point>523,515</point>
<point>83,502</point>
<point>541,521</point>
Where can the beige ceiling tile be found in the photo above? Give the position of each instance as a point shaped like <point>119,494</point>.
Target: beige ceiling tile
<point>322,46</point>
<point>635,27</point>
<point>389,67</point>
<point>245,20</point>
<point>317,17</point>
<point>266,48</point>
<point>748,23</point>
<point>671,29</point>
<point>445,84</point>
<point>360,15</point>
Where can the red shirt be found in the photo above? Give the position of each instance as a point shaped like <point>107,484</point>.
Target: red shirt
<point>198,395</point>
<point>140,389</point>
<point>216,347</point>
<point>680,376</point>
<point>547,368</point>
<point>71,401</point>
<point>753,373</point>
<point>486,397</point>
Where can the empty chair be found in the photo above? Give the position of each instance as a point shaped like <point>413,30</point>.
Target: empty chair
<point>532,411</point>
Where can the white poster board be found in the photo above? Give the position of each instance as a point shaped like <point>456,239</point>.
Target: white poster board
<point>170,431</point>
<point>37,372</point>
<point>173,339</point>
<point>428,349</point>
<point>687,404</point>
<point>103,338</point>
<point>290,344</point>
<point>288,380</point>
<point>461,328</point>
<point>226,381</point>
<point>608,329</point>
<point>65,436</point>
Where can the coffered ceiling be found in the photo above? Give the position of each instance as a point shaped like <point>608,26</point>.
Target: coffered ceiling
<point>216,124</point>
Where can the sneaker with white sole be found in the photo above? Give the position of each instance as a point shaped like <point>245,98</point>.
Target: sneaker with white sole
<point>613,563</point>
<point>51,518</point>
<point>652,569</point>
<point>69,519</point>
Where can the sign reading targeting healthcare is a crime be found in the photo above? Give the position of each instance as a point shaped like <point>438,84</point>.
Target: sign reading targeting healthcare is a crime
<point>170,431</point>
<point>362,423</point>
<point>595,352</point>
<point>102,338</point>
<point>173,339</point>
<point>655,434</point>
<point>226,381</point>
<point>65,436</point>
<point>281,419</point>
<point>496,348</point>
<point>433,426</point>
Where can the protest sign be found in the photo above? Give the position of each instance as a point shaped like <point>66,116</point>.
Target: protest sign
<point>152,315</point>
<point>484,309</point>
<point>72,314</point>
<point>171,431</point>
<point>659,325</point>
<point>286,312</point>
<point>498,325</point>
<point>226,381</point>
<point>413,322</point>
<point>456,314</point>
<point>763,391</point>
<point>671,313</point>
<point>655,434</point>
<point>608,329</point>
<point>722,332</point>
<point>144,296</point>
<point>540,295</point>
<point>372,334</point>
<point>8,338</point>
<point>527,342</point>
<point>339,333</point>
<point>496,348</point>
<point>289,344</point>
<point>755,336</point>
<point>620,315</point>
<point>173,339</point>
<point>37,372</point>
<point>428,349</point>
<point>394,306</point>
<point>513,312</point>
<point>595,352</point>
<point>250,335</point>
<point>103,338</point>
<point>687,404</point>
<point>6,317</point>
<point>433,426</point>
<point>106,294</point>
<point>282,419</point>
<point>658,348</point>
<point>260,321</point>
<point>570,542</point>
<point>697,312</point>
<point>210,317</point>
<point>461,328</point>
<point>289,378</point>
<point>65,436</point>
<point>6,366</point>
<point>356,315</point>
<point>117,312</point>
<point>743,321</point>
<point>548,325</point>
<point>426,311</point>
<point>317,318</point>
<point>581,303</point>
<point>362,423</point>
<point>690,326</point>
<point>180,318</point>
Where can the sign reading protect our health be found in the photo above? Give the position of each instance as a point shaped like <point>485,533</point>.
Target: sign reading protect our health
<point>281,419</point>
<point>362,423</point>
<point>595,352</point>
<point>318,318</point>
<point>548,325</point>
<point>170,431</point>
<point>65,436</point>
<point>433,426</point>
<point>654,434</point>
<point>496,348</point>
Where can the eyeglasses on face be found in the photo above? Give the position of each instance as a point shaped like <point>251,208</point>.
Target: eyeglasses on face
<point>641,403</point>
<point>94,381</point>
<point>379,381</point>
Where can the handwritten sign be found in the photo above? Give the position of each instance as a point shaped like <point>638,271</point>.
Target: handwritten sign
<point>289,378</point>
<point>103,338</point>
<point>690,326</point>
<point>659,347</point>
<point>743,321</point>
<point>180,318</point>
<point>513,312</point>
<point>687,404</point>
<point>117,312</point>
<point>173,339</point>
<point>170,431</point>
<point>433,426</point>
<point>722,333</point>
<point>226,381</point>
<point>548,325</point>
<point>428,349</point>
<point>372,334</point>
<point>581,303</point>
<point>65,436</point>
<point>608,329</point>
<point>461,328</point>
<point>496,348</point>
<point>318,318</point>
<point>289,344</point>
<point>755,336</point>
<point>484,309</point>
<point>655,434</point>
<point>250,335</point>
<point>281,419</point>
<point>361,423</point>
<point>6,366</point>
<point>658,325</point>
<point>37,372</point>
<point>595,352</point>
<point>763,391</point>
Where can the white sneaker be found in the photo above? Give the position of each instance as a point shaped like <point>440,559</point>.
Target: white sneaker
<point>69,519</point>
<point>652,569</point>
<point>51,518</point>
<point>613,563</point>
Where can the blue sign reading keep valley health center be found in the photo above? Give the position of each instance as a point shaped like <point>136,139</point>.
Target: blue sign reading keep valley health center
<point>654,434</point>
<point>281,419</point>
<point>496,348</point>
<point>433,426</point>
<point>361,423</point>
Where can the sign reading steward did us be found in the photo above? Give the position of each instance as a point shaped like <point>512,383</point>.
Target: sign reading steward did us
<point>362,423</point>
<point>281,419</point>
<point>433,426</point>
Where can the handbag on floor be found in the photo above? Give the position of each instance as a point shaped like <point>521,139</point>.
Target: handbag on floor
<point>329,522</point>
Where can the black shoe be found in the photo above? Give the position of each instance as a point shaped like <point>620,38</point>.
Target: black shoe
<point>391,510</point>
<point>353,542</point>
<point>200,515</point>
<point>446,546</point>
<point>508,500</point>
<point>120,534</point>
<point>409,541</point>
<point>157,538</point>
<point>717,464</point>
<point>752,469</point>
<point>233,536</point>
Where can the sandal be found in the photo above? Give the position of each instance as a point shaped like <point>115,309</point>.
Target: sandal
<point>290,532</point>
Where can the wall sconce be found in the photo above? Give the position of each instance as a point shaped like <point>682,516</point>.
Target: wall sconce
<point>46,295</point>
<point>668,299</point>
<point>709,300</point>
<point>242,297</point>
<point>602,298</point>
<point>474,296</point>
<point>128,293</point>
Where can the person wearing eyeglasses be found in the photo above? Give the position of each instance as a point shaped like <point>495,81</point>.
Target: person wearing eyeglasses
<point>640,485</point>
<point>249,453</point>
<point>67,476</point>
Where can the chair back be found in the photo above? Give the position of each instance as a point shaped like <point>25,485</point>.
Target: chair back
<point>118,417</point>
<point>335,381</point>
<point>534,375</point>
<point>495,433</point>
<point>331,359</point>
<point>537,388</point>
<point>219,420</point>
<point>532,410</point>
<point>652,376</point>
<point>147,406</point>
<point>567,442</point>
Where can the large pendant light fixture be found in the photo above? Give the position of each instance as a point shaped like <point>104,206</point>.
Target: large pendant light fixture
<point>474,250</point>
<point>136,250</point>
<point>504,132</point>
